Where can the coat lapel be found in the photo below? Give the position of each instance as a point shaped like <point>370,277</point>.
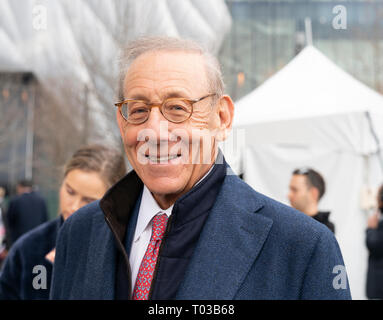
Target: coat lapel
<point>100,270</point>
<point>230,242</point>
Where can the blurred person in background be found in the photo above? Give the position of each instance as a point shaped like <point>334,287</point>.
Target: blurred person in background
<point>3,246</point>
<point>374,242</point>
<point>307,187</point>
<point>25,211</point>
<point>87,176</point>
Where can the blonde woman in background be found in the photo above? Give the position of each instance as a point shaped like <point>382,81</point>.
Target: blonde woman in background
<point>27,271</point>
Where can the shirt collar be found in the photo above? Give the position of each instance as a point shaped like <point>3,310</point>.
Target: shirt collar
<point>148,209</point>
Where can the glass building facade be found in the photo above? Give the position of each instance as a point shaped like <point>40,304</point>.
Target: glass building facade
<point>266,35</point>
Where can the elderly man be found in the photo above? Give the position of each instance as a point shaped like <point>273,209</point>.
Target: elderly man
<point>181,225</point>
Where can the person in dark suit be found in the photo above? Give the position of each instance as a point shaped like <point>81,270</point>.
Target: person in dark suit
<point>307,187</point>
<point>181,224</point>
<point>88,174</point>
<point>3,234</point>
<point>25,211</point>
<point>374,242</point>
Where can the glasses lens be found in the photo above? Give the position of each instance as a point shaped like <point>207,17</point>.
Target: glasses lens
<point>177,110</point>
<point>124,110</point>
<point>135,111</point>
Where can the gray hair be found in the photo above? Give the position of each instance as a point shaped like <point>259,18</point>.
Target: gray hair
<point>150,44</point>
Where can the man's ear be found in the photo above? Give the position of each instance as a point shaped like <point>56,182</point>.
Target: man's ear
<point>226,115</point>
<point>314,194</point>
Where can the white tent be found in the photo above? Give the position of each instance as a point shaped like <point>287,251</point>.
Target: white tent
<point>312,113</point>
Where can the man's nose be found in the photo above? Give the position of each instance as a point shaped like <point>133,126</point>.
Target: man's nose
<point>155,115</point>
<point>158,123</point>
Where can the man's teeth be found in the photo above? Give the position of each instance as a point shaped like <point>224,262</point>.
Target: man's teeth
<point>161,159</point>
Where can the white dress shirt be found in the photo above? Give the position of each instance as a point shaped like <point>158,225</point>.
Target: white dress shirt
<point>148,209</point>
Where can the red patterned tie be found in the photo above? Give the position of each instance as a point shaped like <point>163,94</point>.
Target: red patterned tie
<point>148,264</point>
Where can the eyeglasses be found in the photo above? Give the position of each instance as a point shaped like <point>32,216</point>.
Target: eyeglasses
<point>175,110</point>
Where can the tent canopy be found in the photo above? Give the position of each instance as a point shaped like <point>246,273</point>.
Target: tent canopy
<point>310,85</point>
<point>311,101</point>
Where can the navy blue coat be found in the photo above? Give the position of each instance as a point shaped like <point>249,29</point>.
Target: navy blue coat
<point>251,247</point>
<point>17,275</point>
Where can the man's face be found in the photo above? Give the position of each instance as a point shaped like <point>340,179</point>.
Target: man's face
<point>173,167</point>
<point>21,189</point>
<point>299,193</point>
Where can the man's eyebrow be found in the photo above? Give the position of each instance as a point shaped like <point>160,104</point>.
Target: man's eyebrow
<point>137,97</point>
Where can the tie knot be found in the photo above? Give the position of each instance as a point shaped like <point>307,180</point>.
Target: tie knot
<point>159,226</point>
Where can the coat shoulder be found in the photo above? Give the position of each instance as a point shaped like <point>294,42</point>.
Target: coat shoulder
<point>84,216</point>
<point>287,221</point>
<point>302,251</point>
<point>80,227</point>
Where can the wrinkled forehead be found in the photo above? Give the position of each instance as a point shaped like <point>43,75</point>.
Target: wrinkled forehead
<point>162,70</point>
